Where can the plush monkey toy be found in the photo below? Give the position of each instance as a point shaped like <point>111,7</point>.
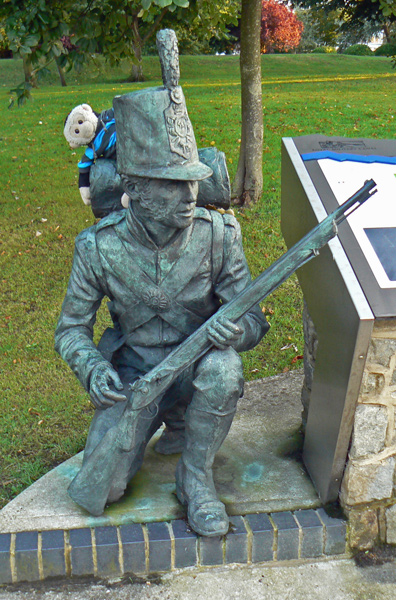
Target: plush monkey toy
<point>85,127</point>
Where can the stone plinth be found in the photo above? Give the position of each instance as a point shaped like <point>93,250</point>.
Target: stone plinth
<point>275,514</point>
<point>368,486</point>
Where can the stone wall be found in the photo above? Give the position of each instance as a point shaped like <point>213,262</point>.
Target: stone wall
<point>368,490</point>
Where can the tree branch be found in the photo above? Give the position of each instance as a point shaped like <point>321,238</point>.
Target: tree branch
<point>155,25</point>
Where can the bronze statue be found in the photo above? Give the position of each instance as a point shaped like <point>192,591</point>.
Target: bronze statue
<point>166,266</point>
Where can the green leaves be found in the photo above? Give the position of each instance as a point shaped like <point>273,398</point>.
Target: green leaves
<point>32,40</point>
<point>72,30</point>
<point>57,48</point>
<point>147,4</point>
<point>388,7</point>
<point>355,15</point>
<point>22,93</point>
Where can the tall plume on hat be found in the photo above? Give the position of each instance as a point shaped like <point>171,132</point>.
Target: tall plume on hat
<point>168,51</point>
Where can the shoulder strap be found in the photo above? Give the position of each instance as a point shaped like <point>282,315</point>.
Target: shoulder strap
<point>217,244</point>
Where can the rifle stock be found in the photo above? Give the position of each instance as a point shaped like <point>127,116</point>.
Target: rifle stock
<point>91,486</point>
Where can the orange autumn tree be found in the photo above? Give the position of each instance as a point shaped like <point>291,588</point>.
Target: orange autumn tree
<point>280,29</point>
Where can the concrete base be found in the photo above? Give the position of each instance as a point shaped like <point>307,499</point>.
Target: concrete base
<point>256,470</point>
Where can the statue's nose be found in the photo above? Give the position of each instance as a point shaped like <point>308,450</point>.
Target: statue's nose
<point>191,191</point>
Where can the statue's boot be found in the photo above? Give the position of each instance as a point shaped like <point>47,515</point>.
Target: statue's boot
<point>171,441</point>
<point>173,436</point>
<point>205,432</point>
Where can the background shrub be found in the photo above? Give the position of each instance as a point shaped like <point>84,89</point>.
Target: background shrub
<point>359,50</point>
<point>385,50</point>
<point>324,50</point>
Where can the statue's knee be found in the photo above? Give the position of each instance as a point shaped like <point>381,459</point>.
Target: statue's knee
<point>219,378</point>
<point>226,364</point>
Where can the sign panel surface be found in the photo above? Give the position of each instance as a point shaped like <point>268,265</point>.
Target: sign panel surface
<point>374,224</point>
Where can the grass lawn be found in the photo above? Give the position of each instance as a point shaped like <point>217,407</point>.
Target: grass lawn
<point>44,411</point>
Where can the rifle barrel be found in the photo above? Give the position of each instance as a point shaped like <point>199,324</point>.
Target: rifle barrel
<point>354,201</point>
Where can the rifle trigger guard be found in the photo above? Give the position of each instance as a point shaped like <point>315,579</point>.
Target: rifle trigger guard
<point>152,414</point>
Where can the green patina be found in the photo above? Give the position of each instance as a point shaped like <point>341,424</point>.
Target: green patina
<point>253,473</point>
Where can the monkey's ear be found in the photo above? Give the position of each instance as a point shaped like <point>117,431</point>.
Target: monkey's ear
<point>86,107</point>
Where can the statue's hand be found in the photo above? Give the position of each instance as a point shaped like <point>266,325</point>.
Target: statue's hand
<point>224,333</point>
<point>102,396</point>
<point>85,195</point>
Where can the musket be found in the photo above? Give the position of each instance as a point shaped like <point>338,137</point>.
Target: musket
<point>100,472</point>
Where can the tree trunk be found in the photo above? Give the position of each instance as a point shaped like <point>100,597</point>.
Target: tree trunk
<point>30,75</point>
<point>61,74</point>
<point>136,73</point>
<point>387,33</point>
<point>248,183</point>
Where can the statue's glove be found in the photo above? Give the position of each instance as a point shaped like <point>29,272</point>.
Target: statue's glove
<point>224,333</point>
<point>85,195</point>
<point>103,376</point>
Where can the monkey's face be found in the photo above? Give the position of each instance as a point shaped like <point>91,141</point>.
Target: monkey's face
<point>80,126</point>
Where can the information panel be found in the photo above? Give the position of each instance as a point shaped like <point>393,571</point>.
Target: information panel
<point>337,168</point>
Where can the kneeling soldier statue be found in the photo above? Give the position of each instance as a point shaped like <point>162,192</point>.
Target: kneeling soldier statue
<point>166,267</point>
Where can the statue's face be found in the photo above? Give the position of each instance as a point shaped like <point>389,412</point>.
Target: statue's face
<point>171,202</point>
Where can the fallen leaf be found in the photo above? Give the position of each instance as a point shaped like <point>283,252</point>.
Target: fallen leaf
<point>296,358</point>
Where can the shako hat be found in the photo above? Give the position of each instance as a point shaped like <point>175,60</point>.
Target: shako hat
<point>155,137</point>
